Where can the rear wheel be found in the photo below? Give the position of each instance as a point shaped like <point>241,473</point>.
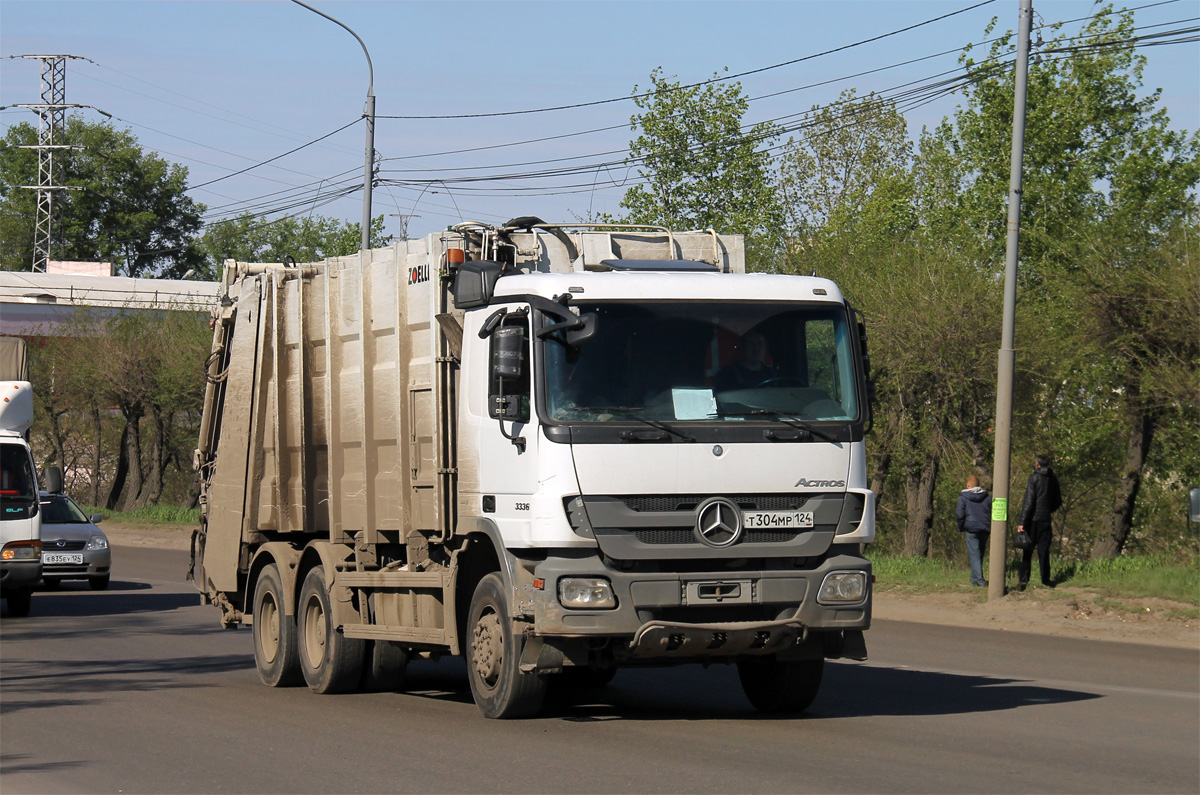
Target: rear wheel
<point>99,583</point>
<point>331,662</point>
<point>19,602</point>
<point>275,653</point>
<point>499,687</point>
<point>774,685</point>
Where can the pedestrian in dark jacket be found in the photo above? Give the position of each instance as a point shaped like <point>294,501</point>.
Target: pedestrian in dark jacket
<point>974,513</point>
<point>1042,499</point>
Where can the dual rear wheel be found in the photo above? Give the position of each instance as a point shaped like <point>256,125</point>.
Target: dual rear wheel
<point>306,647</point>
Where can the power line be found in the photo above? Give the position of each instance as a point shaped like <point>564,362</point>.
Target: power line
<point>272,159</point>
<point>702,82</point>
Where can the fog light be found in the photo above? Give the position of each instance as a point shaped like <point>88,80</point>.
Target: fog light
<point>97,542</point>
<point>843,586</point>
<point>21,550</point>
<point>595,593</point>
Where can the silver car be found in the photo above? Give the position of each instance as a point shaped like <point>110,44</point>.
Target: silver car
<point>73,548</point>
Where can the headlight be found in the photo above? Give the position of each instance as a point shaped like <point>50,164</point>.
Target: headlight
<point>97,542</point>
<point>590,592</point>
<point>843,586</point>
<point>21,550</point>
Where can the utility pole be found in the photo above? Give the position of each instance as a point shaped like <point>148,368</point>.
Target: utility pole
<point>998,548</point>
<point>404,219</point>
<point>369,115</point>
<point>51,111</point>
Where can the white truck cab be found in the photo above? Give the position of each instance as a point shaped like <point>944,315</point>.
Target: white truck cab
<point>20,519</point>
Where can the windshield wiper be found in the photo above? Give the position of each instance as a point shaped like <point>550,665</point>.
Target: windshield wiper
<point>633,412</point>
<point>786,419</point>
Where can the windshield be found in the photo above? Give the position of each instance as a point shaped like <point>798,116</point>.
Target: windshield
<point>62,510</point>
<point>711,362</point>
<point>18,484</point>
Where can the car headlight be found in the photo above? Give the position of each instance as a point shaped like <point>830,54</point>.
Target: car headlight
<point>843,586</point>
<point>21,550</point>
<point>97,542</point>
<point>589,592</point>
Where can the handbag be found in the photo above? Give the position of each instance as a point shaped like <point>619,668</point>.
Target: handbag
<point>1023,541</point>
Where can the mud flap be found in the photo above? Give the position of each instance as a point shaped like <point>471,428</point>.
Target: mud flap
<point>847,645</point>
<point>540,657</point>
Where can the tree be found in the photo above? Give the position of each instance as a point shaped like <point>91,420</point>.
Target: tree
<point>304,239</point>
<point>132,210</point>
<point>1108,191</point>
<point>699,168</point>
<point>846,178</point>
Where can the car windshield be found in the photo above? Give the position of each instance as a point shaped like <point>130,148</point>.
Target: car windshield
<point>705,361</point>
<point>60,509</point>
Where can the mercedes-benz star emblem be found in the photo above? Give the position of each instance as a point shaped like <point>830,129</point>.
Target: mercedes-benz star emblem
<point>718,522</point>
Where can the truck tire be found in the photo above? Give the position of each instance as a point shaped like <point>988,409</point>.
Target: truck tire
<point>384,666</point>
<point>774,685</point>
<point>275,653</point>
<point>331,662</point>
<point>18,602</point>
<point>499,687</point>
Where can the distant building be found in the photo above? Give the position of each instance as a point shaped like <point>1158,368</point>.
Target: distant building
<point>33,304</point>
<point>80,268</point>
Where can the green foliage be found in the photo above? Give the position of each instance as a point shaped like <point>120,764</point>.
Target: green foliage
<point>845,183</point>
<point>700,169</point>
<point>146,365</point>
<point>304,239</point>
<point>132,209</point>
<point>1129,577</point>
<point>151,515</point>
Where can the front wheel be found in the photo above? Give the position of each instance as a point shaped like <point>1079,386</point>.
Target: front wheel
<point>774,685</point>
<point>99,583</point>
<point>331,662</point>
<point>19,602</point>
<point>499,687</point>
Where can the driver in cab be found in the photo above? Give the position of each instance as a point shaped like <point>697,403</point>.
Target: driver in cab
<point>751,369</point>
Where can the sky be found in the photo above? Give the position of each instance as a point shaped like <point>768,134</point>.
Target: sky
<point>221,86</point>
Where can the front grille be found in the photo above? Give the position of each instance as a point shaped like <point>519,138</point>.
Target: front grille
<point>683,535</point>
<point>67,546</point>
<point>662,503</point>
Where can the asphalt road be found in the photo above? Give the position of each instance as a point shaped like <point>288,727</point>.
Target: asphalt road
<point>137,689</point>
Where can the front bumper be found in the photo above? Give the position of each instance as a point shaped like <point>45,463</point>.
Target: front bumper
<point>18,574</point>
<point>683,614</point>
<point>96,563</point>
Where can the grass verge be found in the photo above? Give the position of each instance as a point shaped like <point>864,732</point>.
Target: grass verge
<point>154,514</point>
<point>1126,577</point>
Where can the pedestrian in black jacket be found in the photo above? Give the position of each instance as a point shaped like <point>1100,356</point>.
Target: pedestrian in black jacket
<point>974,514</point>
<point>1042,499</point>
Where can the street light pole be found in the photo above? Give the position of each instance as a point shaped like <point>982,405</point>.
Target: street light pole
<point>369,115</point>
<point>998,548</point>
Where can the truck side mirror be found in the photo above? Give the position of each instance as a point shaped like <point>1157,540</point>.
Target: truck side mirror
<point>54,480</point>
<point>508,352</point>
<point>509,390</point>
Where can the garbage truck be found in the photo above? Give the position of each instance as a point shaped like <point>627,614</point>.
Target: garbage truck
<point>20,514</point>
<point>554,450</point>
